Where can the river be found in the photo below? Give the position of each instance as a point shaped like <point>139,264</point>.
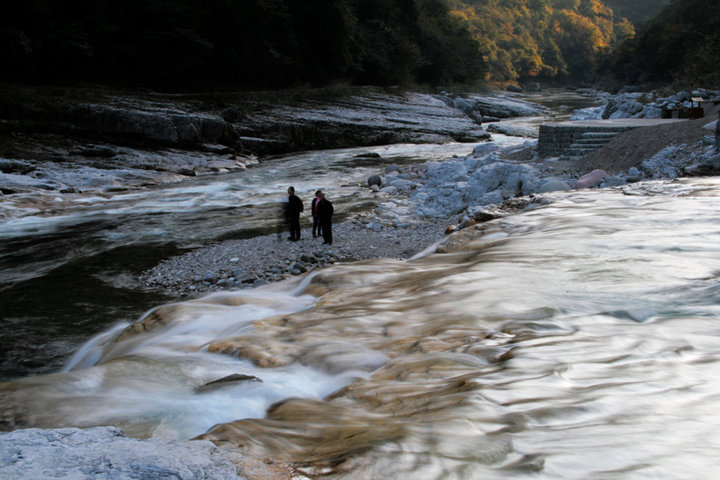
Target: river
<point>578,339</point>
<point>68,267</point>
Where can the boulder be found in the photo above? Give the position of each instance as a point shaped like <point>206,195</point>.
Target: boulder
<point>553,185</point>
<point>592,179</point>
<point>465,105</point>
<point>104,453</point>
<point>633,175</point>
<point>589,113</point>
<point>512,130</point>
<point>374,180</point>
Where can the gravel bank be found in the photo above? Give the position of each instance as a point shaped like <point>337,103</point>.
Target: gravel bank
<point>260,260</point>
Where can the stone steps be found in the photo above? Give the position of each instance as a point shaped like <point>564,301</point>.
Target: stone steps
<point>577,138</point>
<point>590,142</point>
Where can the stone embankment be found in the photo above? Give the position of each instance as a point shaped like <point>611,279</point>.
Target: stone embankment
<point>591,129</point>
<point>578,138</point>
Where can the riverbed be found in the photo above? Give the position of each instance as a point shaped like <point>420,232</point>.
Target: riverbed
<point>578,339</point>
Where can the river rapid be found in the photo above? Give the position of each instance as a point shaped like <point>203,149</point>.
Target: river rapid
<point>69,262</point>
<point>578,339</point>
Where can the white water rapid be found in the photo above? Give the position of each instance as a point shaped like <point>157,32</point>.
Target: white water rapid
<point>580,339</point>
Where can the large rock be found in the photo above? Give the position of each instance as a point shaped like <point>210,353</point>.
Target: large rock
<point>592,179</point>
<point>513,130</point>
<point>505,107</point>
<point>167,125</point>
<point>106,453</point>
<point>453,186</point>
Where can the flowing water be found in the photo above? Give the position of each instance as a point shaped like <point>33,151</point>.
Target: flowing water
<point>68,262</point>
<point>579,339</point>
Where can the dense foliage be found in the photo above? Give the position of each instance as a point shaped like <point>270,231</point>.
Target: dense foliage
<point>681,44</point>
<point>180,44</point>
<point>236,43</point>
<point>547,40</point>
<point>637,11</point>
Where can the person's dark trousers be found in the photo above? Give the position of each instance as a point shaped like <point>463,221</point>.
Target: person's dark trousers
<point>326,228</point>
<point>295,228</point>
<point>317,227</point>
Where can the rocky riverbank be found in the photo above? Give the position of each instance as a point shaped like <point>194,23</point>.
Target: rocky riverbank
<point>419,205</point>
<point>92,140</point>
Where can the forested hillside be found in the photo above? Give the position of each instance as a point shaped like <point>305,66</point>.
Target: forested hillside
<point>236,44</point>
<point>637,11</point>
<point>251,44</point>
<point>545,40</point>
<point>681,44</point>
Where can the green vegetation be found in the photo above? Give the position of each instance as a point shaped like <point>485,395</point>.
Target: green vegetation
<point>184,44</point>
<point>542,40</point>
<point>272,44</point>
<point>637,11</point>
<point>681,44</point>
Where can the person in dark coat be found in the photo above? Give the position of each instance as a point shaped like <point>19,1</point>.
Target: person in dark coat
<point>294,207</point>
<point>325,213</point>
<point>317,229</point>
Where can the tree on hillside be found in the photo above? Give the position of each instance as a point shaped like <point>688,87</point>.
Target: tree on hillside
<point>177,44</point>
<point>549,40</point>
<point>682,43</point>
<point>637,11</point>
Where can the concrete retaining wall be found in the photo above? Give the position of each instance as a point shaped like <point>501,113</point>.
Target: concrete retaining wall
<point>558,139</point>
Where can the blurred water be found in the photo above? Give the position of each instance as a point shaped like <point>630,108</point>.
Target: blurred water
<point>67,262</point>
<point>580,339</point>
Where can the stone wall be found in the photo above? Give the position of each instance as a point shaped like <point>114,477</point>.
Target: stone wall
<point>561,138</point>
<point>555,140</point>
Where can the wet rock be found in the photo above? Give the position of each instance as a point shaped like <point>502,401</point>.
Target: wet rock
<point>374,180</point>
<point>156,318</point>
<point>484,215</point>
<point>229,381</point>
<point>368,155</point>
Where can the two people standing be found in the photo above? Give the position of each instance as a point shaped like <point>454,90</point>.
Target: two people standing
<point>322,212</point>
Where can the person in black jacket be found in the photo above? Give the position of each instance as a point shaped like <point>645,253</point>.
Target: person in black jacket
<point>294,207</point>
<point>325,213</point>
